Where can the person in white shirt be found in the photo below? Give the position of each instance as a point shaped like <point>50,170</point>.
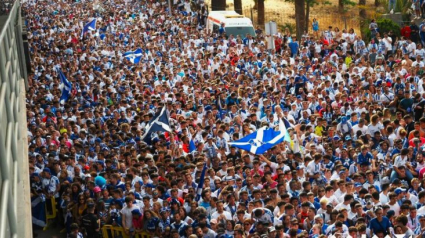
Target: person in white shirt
<point>360,127</point>
<point>329,195</point>
<point>393,203</point>
<point>221,214</point>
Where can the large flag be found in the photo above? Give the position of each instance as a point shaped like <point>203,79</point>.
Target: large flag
<point>38,210</point>
<point>91,26</point>
<point>286,133</point>
<point>192,146</point>
<point>189,148</point>
<point>261,140</point>
<point>66,87</point>
<point>158,123</point>
<point>134,56</point>
<point>201,183</point>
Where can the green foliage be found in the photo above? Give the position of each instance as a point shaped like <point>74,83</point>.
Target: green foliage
<point>384,26</point>
<point>349,3</point>
<point>292,27</point>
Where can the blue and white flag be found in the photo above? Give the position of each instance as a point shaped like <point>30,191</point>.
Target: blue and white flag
<point>201,183</point>
<point>192,146</point>
<point>158,123</point>
<point>134,56</point>
<point>65,86</point>
<point>91,26</point>
<point>38,210</point>
<point>261,140</point>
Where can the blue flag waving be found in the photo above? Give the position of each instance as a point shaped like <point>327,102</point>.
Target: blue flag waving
<point>261,140</point>
<point>66,87</point>
<point>201,183</point>
<point>158,123</point>
<point>133,56</point>
<point>91,26</point>
<point>192,146</point>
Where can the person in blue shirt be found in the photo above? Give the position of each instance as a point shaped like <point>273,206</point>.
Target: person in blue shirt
<point>380,224</point>
<point>222,29</point>
<point>365,156</point>
<point>179,225</point>
<point>294,46</point>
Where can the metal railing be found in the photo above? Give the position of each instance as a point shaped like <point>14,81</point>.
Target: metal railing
<point>14,179</point>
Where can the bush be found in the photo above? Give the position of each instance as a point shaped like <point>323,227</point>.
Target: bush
<point>384,26</point>
<point>290,26</point>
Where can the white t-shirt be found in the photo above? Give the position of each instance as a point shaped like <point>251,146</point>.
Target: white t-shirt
<point>400,161</point>
<point>395,208</point>
<point>363,129</point>
<point>383,198</point>
<point>126,212</point>
<point>227,214</point>
<point>374,128</point>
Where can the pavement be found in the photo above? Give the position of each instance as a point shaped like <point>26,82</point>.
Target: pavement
<point>51,232</point>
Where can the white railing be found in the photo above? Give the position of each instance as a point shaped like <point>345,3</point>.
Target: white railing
<point>15,208</point>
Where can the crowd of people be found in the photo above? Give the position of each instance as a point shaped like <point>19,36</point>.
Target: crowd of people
<point>354,165</point>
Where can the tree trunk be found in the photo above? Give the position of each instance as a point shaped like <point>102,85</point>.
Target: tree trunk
<point>376,3</point>
<point>362,15</point>
<point>218,5</point>
<point>255,5</point>
<point>238,6</point>
<point>307,17</point>
<point>300,17</point>
<point>260,13</point>
<point>340,5</point>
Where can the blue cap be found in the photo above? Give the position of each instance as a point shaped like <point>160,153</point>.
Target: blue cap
<point>421,216</point>
<point>174,201</point>
<point>336,138</point>
<point>136,212</point>
<point>149,185</point>
<point>164,209</point>
<point>47,170</point>
<point>98,140</point>
<point>399,190</point>
<point>342,171</point>
<point>356,185</point>
<point>348,138</point>
<point>299,97</point>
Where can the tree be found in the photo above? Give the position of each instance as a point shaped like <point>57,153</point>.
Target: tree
<point>260,12</point>
<point>362,15</point>
<point>300,17</point>
<point>218,5</point>
<point>343,3</point>
<point>238,6</point>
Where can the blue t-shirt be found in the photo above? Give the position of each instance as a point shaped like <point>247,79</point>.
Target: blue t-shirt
<point>364,159</point>
<point>382,226</point>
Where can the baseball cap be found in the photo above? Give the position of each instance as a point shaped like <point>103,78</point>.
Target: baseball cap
<point>399,190</point>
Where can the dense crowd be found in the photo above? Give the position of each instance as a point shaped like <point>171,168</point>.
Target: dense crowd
<point>354,165</point>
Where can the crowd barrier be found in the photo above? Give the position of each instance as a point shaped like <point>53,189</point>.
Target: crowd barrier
<point>50,216</point>
<point>109,231</point>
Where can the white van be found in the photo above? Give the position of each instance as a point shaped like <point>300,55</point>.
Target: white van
<point>234,23</point>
